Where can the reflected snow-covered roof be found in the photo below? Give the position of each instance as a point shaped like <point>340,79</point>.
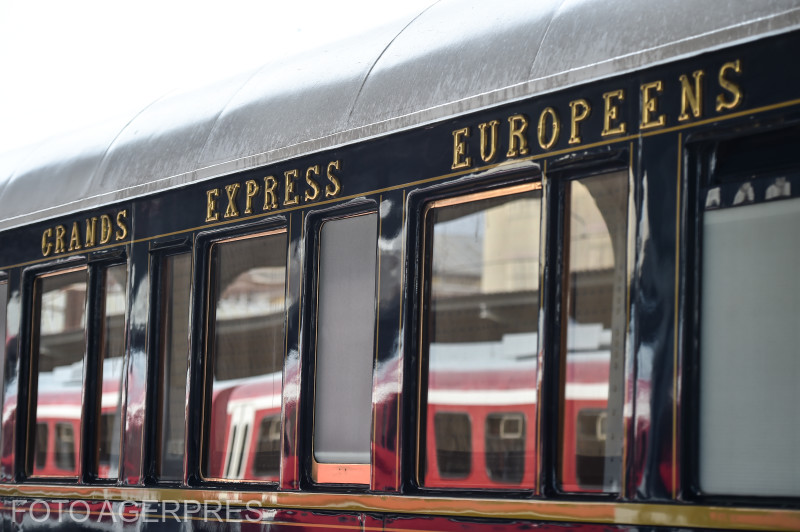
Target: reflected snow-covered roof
<point>452,58</point>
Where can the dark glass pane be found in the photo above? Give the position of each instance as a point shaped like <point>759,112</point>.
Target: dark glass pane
<point>345,344</point>
<point>480,328</point>
<point>114,298</point>
<point>174,358</point>
<point>246,348</point>
<point>595,324</point>
<point>59,344</point>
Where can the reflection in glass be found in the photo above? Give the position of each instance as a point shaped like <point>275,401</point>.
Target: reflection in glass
<point>594,325</point>
<point>749,364</point>
<point>344,344</point>
<point>59,343</point>
<point>174,358</point>
<point>246,349</point>
<point>114,303</point>
<point>480,327</point>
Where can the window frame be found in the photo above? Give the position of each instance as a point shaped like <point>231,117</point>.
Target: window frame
<point>201,346</point>
<point>357,475</point>
<point>160,252</point>
<point>700,155</point>
<point>421,202</point>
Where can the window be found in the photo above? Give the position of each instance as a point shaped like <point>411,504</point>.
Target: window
<point>479,335</point>
<point>245,347</point>
<point>749,381</point>
<point>41,446</point>
<point>505,446</point>
<point>173,358</point>
<point>453,432</point>
<point>58,346</point>
<point>345,349</point>
<point>65,449</point>
<point>112,370</point>
<point>267,459</point>
<point>594,325</point>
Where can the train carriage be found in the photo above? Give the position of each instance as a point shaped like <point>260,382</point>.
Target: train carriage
<point>495,267</point>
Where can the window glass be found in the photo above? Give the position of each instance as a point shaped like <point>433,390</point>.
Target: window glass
<point>594,325</point>
<point>245,348</point>
<point>3,340</point>
<point>174,358</point>
<point>114,303</point>
<point>750,329</point>
<point>479,332</point>
<point>59,343</point>
<point>344,346</point>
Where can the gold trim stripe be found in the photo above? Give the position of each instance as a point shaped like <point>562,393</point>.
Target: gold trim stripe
<point>635,514</point>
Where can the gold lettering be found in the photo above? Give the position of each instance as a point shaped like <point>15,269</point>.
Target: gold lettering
<point>231,190</point>
<point>289,197</point>
<point>91,232</point>
<point>311,196</point>
<point>579,110</point>
<point>270,198</point>
<point>60,232</point>
<point>691,97</point>
<point>460,158</point>
<point>517,143</point>
<point>736,92</point>
<point>75,237</point>
<point>105,229</point>
<point>47,246</point>
<point>611,113</point>
<point>541,129</point>
<point>650,105</point>
<point>211,205</point>
<point>489,142</point>
<point>335,187</point>
<point>122,226</point>
<point>252,190</point>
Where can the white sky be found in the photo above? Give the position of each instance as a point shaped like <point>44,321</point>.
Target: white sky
<point>65,64</point>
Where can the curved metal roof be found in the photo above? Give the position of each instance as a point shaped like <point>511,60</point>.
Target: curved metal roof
<point>452,58</point>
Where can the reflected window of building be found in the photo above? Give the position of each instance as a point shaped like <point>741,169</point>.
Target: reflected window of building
<point>480,337</point>
<point>41,446</point>
<point>267,461</point>
<point>453,434</point>
<point>58,347</point>
<point>749,381</point>
<point>345,349</point>
<point>505,446</point>
<point>594,325</point>
<point>115,281</point>
<point>245,349</point>
<point>65,449</point>
<point>173,351</point>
